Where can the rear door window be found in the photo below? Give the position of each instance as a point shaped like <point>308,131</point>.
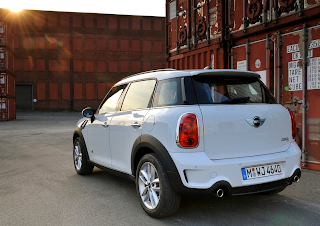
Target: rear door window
<point>168,93</point>
<point>138,95</point>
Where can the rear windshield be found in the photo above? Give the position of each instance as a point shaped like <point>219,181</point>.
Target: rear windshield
<point>231,90</point>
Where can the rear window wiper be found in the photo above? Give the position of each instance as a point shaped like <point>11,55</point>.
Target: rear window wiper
<point>236,100</point>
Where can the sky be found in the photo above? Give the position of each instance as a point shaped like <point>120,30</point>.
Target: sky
<point>124,7</point>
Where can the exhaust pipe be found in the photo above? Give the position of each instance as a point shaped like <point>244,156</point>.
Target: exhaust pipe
<point>220,193</point>
<point>296,178</point>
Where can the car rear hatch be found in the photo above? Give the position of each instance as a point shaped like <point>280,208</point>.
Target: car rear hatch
<point>240,116</point>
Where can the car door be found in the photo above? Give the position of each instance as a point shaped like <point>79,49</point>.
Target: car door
<point>98,140</point>
<point>125,126</point>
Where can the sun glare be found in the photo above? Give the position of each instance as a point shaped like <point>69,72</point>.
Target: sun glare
<point>15,9</point>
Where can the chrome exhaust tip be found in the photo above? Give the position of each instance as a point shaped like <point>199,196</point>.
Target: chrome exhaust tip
<point>220,193</point>
<point>296,178</point>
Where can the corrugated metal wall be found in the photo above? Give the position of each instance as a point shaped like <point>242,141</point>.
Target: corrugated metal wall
<point>278,39</point>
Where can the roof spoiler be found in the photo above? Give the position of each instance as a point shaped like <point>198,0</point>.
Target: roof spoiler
<point>228,73</point>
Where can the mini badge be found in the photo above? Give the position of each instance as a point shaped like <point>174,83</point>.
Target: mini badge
<point>256,121</point>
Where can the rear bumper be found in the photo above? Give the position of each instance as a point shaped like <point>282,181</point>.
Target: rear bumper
<point>228,190</point>
<point>199,175</point>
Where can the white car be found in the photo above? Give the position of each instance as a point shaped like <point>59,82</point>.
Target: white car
<point>192,132</point>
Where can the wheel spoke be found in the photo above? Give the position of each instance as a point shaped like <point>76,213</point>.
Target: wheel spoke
<point>79,163</point>
<point>146,197</point>
<point>152,173</point>
<point>155,181</point>
<point>154,197</point>
<point>142,178</point>
<point>156,189</point>
<point>153,204</point>
<point>149,172</point>
<point>145,175</point>
<point>76,150</point>
<point>145,191</point>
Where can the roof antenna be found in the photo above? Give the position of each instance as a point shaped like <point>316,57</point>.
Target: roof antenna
<point>207,68</point>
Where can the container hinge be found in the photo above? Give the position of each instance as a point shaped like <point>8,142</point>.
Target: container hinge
<point>301,7</point>
<point>197,7</point>
<point>268,42</point>
<point>279,39</point>
<point>181,10</point>
<point>247,47</point>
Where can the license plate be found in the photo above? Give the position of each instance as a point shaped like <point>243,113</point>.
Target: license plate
<point>261,171</point>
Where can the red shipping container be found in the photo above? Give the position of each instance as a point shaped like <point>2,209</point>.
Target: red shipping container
<point>6,36</point>
<point>6,60</point>
<point>7,109</point>
<point>7,85</point>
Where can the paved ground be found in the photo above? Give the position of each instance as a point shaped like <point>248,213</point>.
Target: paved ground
<point>39,186</point>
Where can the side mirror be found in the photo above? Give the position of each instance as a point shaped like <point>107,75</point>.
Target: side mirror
<point>88,113</point>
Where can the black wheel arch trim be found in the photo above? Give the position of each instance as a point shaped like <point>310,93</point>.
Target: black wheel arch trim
<point>152,143</point>
<point>77,133</point>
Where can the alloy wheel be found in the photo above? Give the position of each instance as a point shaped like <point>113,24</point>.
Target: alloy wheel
<point>149,185</point>
<point>77,156</point>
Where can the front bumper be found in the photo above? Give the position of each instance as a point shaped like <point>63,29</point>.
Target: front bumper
<point>197,174</point>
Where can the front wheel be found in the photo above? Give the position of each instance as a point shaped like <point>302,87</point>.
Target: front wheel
<point>157,197</point>
<point>80,159</point>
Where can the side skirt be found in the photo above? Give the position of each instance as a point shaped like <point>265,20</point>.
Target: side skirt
<point>114,172</point>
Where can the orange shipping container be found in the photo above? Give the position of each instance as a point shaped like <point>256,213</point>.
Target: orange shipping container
<point>6,60</point>
<point>7,85</point>
<point>6,36</point>
<point>7,109</point>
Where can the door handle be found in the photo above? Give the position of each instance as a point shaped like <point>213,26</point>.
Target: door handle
<point>136,124</point>
<point>105,124</point>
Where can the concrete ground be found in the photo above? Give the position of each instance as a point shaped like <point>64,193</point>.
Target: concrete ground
<point>39,186</point>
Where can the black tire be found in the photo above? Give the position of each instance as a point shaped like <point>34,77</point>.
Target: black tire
<point>80,154</point>
<point>159,187</point>
<point>273,192</point>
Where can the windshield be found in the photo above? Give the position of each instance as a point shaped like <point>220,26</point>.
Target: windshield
<point>231,90</point>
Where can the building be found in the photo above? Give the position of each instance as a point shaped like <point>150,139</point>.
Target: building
<point>278,39</point>
<point>68,61</point>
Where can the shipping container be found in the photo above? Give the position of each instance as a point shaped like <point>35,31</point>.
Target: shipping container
<point>6,60</point>
<point>6,36</point>
<point>7,109</point>
<point>278,39</point>
<point>7,85</point>
<point>300,87</point>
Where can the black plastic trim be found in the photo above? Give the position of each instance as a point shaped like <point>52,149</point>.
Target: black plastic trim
<point>114,172</point>
<point>77,132</point>
<point>150,142</point>
<point>266,186</point>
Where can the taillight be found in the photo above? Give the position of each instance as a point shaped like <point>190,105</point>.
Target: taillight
<point>188,131</point>
<point>293,124</point>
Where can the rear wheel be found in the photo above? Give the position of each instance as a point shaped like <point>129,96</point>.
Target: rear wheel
<point>80,159</point>
<point>157,197</point>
